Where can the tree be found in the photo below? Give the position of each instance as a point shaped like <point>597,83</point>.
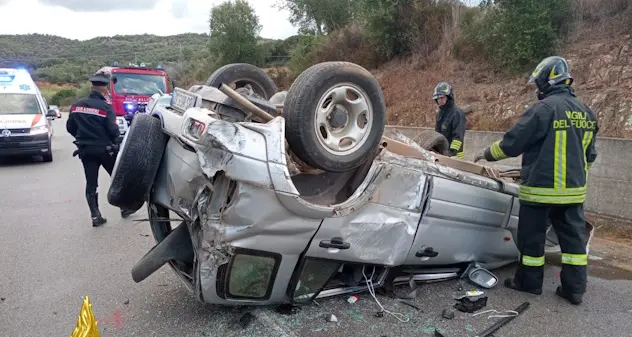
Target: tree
<point>234,32</point>
<point>320,16</point>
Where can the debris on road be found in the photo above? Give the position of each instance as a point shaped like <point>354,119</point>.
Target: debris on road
<point>245,319</point>
<point>500,323</point>
<point>126,302</point>
<point>410,304</point>
<point>438,333</point>
<point>470,306</point>
<point>470,293</point>
<point>497,314</point>
<point>353,299</point>
<point>287,309</point>
<point>447,313</point>
<point>332,318</point>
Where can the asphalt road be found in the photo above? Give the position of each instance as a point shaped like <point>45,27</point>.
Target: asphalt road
<point>51,257</point>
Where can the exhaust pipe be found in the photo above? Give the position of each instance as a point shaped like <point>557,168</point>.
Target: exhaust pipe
<point>176,246</point>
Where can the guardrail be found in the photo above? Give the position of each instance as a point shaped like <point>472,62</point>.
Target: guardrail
<point>610,177</point>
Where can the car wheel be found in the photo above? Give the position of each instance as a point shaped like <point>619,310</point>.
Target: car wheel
<point>433,141</point>
<point>335,116</point>
<point>137,163</point>
<point>237,75</point>
<point>48,157</point>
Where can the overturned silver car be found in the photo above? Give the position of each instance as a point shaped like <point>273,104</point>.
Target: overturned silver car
<point>258,198</point>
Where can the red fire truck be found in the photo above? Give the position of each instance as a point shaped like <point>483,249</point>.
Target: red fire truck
<point>130,89</point>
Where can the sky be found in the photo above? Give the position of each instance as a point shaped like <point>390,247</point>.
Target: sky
<point>85,19</point>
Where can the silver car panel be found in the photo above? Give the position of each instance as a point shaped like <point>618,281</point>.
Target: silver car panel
<point>233,186</point>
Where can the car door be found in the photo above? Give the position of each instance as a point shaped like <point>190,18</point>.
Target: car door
<point>463,222</point>
<point>381,232</point>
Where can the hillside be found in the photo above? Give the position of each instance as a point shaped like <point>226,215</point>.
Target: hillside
<point>600,58</point>
<point>486,53</point>
<point>59,60</point>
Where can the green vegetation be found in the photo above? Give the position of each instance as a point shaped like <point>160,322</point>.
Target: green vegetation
<point>510,35</point>
<point>515,34</point>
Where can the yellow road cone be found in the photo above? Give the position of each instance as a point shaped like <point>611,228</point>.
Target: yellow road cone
<point>86,324</point>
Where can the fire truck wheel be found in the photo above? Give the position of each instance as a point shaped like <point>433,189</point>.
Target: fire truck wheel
<point>237,75</point>
<point>335,116</point>
<point>137,163</point>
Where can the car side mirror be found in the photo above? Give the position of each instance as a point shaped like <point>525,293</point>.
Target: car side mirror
<point>51,113</point>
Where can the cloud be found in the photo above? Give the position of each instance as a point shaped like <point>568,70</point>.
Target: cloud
<point>168,17</point>
<point>179,9</point>
<point>100,5</point>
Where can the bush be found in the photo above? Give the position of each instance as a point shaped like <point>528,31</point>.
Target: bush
<point>347,44</point>
<point>62,95</point>
<point>515,34</point>
<point>399,27</point>
<point>84,90</point>
<point>302,57</point>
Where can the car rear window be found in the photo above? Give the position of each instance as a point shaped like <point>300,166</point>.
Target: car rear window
<point>14,104</point>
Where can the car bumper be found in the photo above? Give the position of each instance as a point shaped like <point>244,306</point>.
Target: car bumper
<point>24,145</point>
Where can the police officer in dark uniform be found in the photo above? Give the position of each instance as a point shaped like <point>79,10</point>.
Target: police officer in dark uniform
<point>450,118</point>
<point>93,124</point>
<point>556,138</point>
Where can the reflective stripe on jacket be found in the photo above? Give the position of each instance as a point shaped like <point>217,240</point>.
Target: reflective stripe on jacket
<point>556,138</point>
<point>451,124</point>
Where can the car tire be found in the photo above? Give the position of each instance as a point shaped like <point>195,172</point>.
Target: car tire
<point>240,74</point>
<point>137,163</point>
<point>431,140</point>
<point>325,90</point>
<point>48,157</point>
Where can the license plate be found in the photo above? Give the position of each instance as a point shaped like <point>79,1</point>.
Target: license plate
<point>182,100</point>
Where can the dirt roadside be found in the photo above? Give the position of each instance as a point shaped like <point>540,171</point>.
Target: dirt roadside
<point>611,248</point>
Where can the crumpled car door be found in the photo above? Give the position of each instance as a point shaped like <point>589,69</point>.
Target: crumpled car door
<point>381,231</point>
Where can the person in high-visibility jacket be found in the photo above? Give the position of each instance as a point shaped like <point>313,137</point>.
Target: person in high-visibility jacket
<point>556,138</point>
<point>450,120</point>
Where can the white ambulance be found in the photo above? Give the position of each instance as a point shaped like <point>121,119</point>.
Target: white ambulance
<point>25,126</point>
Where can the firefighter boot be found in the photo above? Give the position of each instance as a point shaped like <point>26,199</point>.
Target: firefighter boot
<point>511,284</point>
<point>93,203</point>
<point>575,299</point>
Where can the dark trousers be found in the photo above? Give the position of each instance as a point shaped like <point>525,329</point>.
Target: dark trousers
<point>568,223</point>
<point>92,160</point>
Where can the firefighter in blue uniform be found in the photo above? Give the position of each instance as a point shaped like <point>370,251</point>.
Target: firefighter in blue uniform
<point>556,138</point>
<point>93,124</point>
<point>450,120</point>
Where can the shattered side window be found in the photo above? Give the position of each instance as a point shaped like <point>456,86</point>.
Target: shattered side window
<point>314,276</point>
<point>250,276</point>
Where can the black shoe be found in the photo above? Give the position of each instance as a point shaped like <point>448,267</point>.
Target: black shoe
<point>575,299</point>
<point>126,213</point>
<point>93,204</point>
<point>509,283</point>
<point>98,221</point>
